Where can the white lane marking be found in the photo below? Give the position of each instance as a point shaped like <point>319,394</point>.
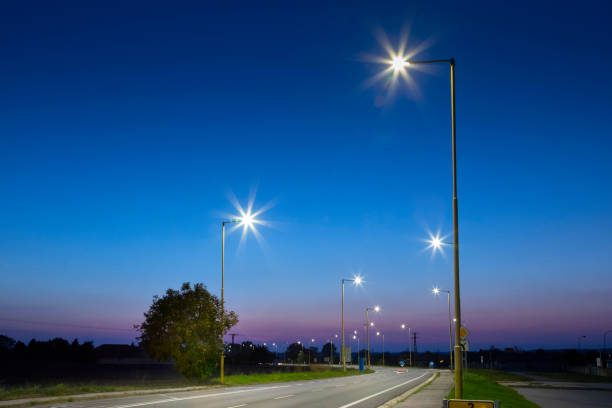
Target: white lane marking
<point>382,392</point>
<point>285,396</point>
<point>168,396</point>
<point>140,404</point>
<point>236,406</point>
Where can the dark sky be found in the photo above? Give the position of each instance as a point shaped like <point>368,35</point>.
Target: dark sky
<point>126,126</point>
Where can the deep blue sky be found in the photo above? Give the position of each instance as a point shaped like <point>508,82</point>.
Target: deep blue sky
<point>124,127</point>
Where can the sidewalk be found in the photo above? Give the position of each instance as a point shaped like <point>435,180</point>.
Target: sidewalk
<point>432,395</point>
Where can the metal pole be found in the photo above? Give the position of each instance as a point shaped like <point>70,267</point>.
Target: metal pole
<point>368,335</point>
<point>222,296</point>
<point>458,367</point>
<point>409,348</point>
<point>383,348</point>
<point>450,334</point>
<point>343,356</point>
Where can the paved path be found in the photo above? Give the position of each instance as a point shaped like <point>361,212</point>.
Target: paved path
<point>363,391</point>
<point>560,398</point>
<point>555,393</point>
<point>432,395</point>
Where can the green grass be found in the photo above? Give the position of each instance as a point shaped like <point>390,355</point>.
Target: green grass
<point>58,390</point>
<point>497,375</point>
<point>481,385</point>
<point>573,377</point>
<point>62,390</point>
<point>295,376</point>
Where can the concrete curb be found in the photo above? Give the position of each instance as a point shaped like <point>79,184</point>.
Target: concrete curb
<point>405,395</point>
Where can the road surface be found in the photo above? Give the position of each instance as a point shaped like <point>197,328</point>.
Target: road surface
<point>362,391</point>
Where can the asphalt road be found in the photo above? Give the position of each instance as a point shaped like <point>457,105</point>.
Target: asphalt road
<point>362,391</point>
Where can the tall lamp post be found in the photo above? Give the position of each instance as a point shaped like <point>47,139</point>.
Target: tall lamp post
<point>409,345</point>
<point>399,63</point>
<point>247,220</point>
<point>436,291</point>
<point>357,282</point>
<point>376,309</point>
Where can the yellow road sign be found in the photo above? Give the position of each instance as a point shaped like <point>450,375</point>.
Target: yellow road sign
<point>463,332</point>
<point>470,404</point>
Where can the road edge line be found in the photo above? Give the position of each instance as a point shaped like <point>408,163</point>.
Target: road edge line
<point>400,398</point>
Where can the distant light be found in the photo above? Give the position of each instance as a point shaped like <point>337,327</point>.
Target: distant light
<point>378,333</point>
<point>312,340</point>
<point>355,331</point>
<point>377,308</point>
<point>336,335</point>
<point>403,326</point>
<point>372,324</point>
<point>435,290</point>
<point>358,280</point>
<point>299,342</point>
<point>354,337</point>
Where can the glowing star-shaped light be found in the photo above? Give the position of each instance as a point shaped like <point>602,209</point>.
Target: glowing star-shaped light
<point>436,243</point>
<point>358,280</point>
<point>435,291</point>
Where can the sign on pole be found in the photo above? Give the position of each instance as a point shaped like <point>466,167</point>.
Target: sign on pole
<point>463,332</point>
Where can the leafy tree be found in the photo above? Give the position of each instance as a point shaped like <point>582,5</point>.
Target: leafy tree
<point>186,326</point>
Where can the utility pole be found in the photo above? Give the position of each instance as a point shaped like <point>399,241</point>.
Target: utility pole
<point>415,346</point>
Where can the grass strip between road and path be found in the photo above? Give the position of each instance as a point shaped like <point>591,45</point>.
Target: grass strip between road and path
<point>482,385</point>
<point>294,376</point>
<point>65,390</point>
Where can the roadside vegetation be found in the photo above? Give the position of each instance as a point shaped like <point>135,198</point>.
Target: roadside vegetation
<point>481,384</point>
<point>291,376</point>
<point>60,390</point>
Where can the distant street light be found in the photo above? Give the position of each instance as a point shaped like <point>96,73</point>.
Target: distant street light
<point>357,280</point>
<point>376,309</point>
<point>409,344</point>
<point>247,220</point>
<point>436,291</point>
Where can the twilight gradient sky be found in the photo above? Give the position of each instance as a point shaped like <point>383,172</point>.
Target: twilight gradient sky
<point>126,126</point>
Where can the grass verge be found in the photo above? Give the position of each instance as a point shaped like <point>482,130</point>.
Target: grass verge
<point>481,384</point>
<point>295,376</point>
<point>35,391</point>
<point>62,390</point>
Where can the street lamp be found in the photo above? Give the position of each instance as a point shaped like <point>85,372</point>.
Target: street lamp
<point>246,220</point>
<point>357,281</point>
<point>436,291</point>
<point>399,63</point>
<point>376,309</point>
<point>409,344</point>
<point>383,348</point>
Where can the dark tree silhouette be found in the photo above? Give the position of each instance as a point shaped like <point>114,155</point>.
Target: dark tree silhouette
<point>327,349</point>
